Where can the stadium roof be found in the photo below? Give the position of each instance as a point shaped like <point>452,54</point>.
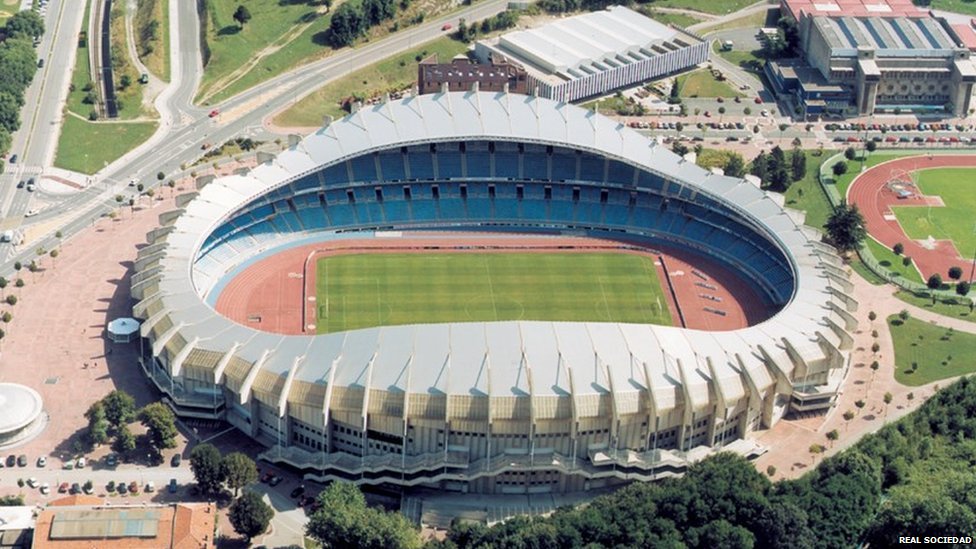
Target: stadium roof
<point>583,359</point>
<point>588,43</point>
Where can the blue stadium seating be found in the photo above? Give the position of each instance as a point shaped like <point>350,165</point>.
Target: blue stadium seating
<point>557,187</point>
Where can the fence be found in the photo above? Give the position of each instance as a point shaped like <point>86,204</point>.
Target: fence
<point>826,180</point>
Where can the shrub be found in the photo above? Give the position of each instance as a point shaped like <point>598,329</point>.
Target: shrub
<point>875,347</point>
<point>955,273</point>
<point>935,281</point>
<point>11,300</point>
<point>898,248</point>
<point>962,288</point>
<point>840,168</point>
<point>906,261</point>
<point>872,316</point>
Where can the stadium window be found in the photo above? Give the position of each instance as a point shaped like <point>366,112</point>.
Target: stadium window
<point>433,148</point>
<point>462,147</point>
<point>491,146</point>
<point>435,192</point>
<point>379,194</point>
<point>576,194</point>
<point>549,150</point>
<point>604,195</point>
<point>464,191</point>
<point>406,192</point>
<point>633,199</point>
<point>350,196</point>
<point>491,191</point>
<point>521,148</point>
<point>520,192</point>
<point>548,192</point>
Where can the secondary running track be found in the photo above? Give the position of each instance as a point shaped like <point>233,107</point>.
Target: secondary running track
<point>871,194</point>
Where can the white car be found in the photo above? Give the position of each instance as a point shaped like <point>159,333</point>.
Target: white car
<point>42,461</point>
<point>150,486</point>
<point>80,464</point>
<point>32,482</point>
<point>32,212</point>
<point>45,488</point>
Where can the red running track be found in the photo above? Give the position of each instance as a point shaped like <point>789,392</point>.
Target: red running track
<point>870,193</point>
<point>270,294</point>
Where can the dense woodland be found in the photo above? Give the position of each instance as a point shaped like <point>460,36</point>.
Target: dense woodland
<point>914,477</point>
<point>18,64</point>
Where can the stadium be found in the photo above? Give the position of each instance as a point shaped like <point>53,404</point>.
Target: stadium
<point>245,294</point>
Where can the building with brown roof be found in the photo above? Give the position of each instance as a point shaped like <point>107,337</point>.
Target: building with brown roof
<point>85,522</point>
<point>461,74</point>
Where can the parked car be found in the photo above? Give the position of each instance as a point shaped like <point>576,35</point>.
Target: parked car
<point>21,184</point>
<point>75,488</point>
<point>32,482</point>
<point>42,461</point>
<point>121,488</point>
<point>298,491</point>
<point>80,464</point>
<point>45,488</point>
<point>134,487</point>
<point>172,486</point>
<point>266,477</point>
<point>176,460</point>
<point>22,460</point>
<point>63,488</point>
<point>150,487</point>
<point>275,480</point>
<point>111,460</point>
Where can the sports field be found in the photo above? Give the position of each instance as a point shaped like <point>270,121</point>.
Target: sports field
<point>953,221</point>
<point>363,290</point>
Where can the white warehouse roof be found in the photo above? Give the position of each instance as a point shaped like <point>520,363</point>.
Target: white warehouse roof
<point>591,42</point>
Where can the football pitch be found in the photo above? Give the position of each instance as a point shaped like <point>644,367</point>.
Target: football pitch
<point>954,221</point>
<point>363,290</point>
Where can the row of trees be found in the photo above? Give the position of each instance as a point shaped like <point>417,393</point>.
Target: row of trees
<point>18,64</point>
<point>778,172</point>
<point>352,20</point>
<point>504,20</point>
<point>248,514</point>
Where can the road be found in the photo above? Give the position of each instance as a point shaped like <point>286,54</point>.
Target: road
<point>35,142</point>
<point>185,128</point>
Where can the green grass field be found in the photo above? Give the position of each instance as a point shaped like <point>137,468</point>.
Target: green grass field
<point>701,83</point>
<point>955,220</point>
<point>925,352</point>
<point>76,152</point>
<point>359,291</point>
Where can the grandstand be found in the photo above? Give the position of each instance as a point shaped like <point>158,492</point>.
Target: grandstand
<point>492,407</point>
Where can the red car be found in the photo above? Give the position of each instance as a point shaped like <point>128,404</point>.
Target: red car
<point>758,100</point>
<point>63,488</point>
<point>447,26</point>
<point>214,113</point>
<point>266,478</point>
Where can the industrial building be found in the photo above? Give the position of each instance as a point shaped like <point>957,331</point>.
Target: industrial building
<point>461,74</point>
<point>594,53</point>
<point>863,57</point>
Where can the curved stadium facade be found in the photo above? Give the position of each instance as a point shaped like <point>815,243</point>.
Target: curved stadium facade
<point>490,406</point>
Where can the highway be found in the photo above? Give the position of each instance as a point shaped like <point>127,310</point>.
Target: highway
<point>185,127</point>
<point>35,142</point>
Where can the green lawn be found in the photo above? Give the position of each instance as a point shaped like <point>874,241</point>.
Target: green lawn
<point>287,28</point>
<point>81,76</point>
<point>955,220</point>
<point>87,147</point>
<point>952,307</point>
<point>806,194</point>
<point>748,60</point>
<point>893,263</point>
<point>938,352</point>
<point>965,7</point>
<point>154,51</point>
<point>756,19</point>
<point>358,291</point>
<point>717,7</point>
<point>677,19</point>
<point>393,73</point>
<point>701,83</point>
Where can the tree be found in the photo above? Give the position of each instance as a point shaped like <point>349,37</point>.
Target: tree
<point>347,25</point>
<point>344,520</point>
<point>9,112</point>
<point>898,248</point>
<point>888,397</point>
<point>721,533</point>
<point>25,24</point>
<point>120,407</point>
<point>3,285</point>
<point>97,425</point>
<point>904,315</point>
<point>250,515</point>
<point>955,272</point>
<point>160,176</point>
<point>11,300</point>
<point>850,153</point>
<point>832,436</point>
<point>238,470</point>
<point>963,287</point>
<point>840,168</point>
<point>125,441</point>
<point>934,282</point>
<point>845,227</point>
<point>871,146</point>
<point>207,466</point>
<point>798,164</point>
<point>760,166</point>
<point>242,15</point>
<point>735,166</point>
<point>160,425</point>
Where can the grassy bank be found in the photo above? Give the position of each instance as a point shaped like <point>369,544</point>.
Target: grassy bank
<point>152,36</point>
<point>77,149</point>
<point>391,74</point>
<point>925,352</point>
